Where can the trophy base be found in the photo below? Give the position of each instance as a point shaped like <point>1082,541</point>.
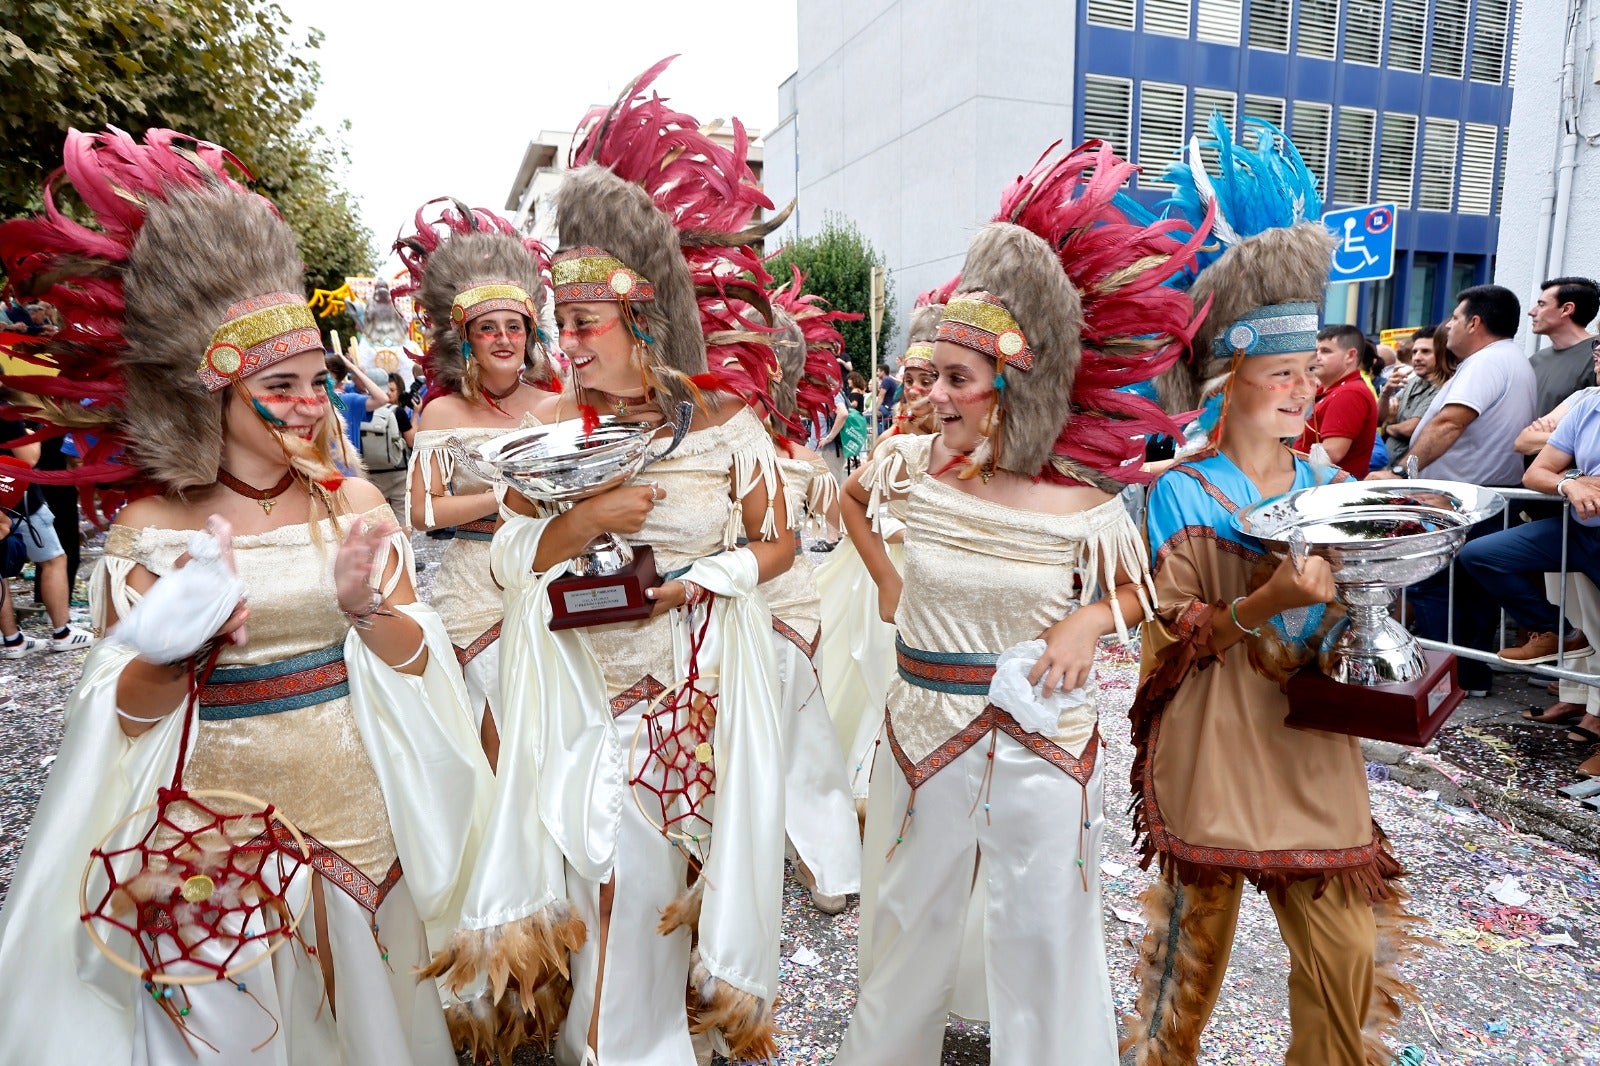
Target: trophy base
<point>1407,713</point>
<point>599,599</point>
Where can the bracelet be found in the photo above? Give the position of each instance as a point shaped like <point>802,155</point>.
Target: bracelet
<point>135,718</point>
<point>362,619</point>
<point>422,646</point>
<point>1233,613</point>
<point>693,594</point>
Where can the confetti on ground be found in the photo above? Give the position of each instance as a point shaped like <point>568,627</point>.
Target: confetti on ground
<point>1503,982</point>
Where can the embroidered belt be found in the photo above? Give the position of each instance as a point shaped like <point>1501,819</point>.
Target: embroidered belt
<point>482,529</point>
<point>286,685</point>
<point>479,643</point>
<point>645,689</point>
<point>799,543</point>
<point>673,575</point>
<point>792,635</point>
<point>991,720</point>
<point>959,673</point>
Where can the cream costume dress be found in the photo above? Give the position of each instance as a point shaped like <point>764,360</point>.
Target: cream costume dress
<point>820,814</point>
<point>957,776</point>
<point>381,771</point>
<point>464,594</point>
<point>576,699</point>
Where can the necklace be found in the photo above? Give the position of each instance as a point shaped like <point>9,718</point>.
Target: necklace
<point>622,403</point>
<point>502,395</point>
<point>265,497</point>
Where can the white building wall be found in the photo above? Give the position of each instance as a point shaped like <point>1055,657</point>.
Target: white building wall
<point>1523,260</point>
<point>911,116</point>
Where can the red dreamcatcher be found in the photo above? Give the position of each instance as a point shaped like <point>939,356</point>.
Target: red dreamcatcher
<point>194,892</point>
<point>674,777</point>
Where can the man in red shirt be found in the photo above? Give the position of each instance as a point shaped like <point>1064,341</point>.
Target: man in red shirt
<point>1345,417</point>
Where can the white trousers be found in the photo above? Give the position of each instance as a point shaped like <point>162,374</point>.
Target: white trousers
<point>644,1020</point>
<point>819,811</point>
<point>1583,605</point>
<point>482,675</point>
<point>1048,990</point>
<point>379,1012</point>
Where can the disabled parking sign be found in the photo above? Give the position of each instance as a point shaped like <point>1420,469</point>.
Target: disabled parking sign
<point>1366,242</point>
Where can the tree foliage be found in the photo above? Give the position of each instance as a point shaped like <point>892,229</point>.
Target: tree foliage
<point>228,71</point>
<point>837,262</point>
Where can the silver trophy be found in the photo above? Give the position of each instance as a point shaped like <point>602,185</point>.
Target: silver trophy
<point>1379,536</point>
<point>562,463</point>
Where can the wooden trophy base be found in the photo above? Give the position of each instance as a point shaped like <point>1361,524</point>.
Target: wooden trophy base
<point>577,601</point>
<point>1402,714</point>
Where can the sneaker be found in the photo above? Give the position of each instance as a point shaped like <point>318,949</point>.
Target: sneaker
<point>1541,648</point>
<point>19,649</point>
<point>74,639</point>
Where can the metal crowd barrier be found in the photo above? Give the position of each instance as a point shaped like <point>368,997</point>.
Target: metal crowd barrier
<point>1513,495</point>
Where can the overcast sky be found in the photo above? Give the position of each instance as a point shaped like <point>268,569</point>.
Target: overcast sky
<point>443,97</point>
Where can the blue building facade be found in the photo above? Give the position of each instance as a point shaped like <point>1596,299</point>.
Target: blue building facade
<point>1403,101</point>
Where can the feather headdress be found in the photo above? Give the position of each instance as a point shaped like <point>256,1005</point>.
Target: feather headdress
<point>657,215</point>
<point>184,283</point>
<point>464,262</point>
<point>1084,288</point>
<point>1268,261</point>
<point>808,350</point>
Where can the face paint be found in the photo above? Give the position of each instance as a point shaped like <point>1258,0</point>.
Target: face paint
<point>589,333</point>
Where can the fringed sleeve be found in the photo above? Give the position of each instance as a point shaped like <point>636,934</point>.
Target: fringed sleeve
<point>889,475</point>
<point>1113,547</point>
<point>432,446</point>
<point>821,499</point>
<point>754,465</point>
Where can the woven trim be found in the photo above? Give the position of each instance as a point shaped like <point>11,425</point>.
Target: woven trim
<point>792,635</point>
<point>984,324</point>
<point>587,274</point>
<point>482,641</point>
<point>646,688</point>
<point>255,334</point>
<point>287,685</point>
<point>481,530</point>
<point>1080,768</point>
<point>956,673</point>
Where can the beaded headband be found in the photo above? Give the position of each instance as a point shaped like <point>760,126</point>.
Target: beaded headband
<point>1276,329</point>
<point>587,274</point>
<point>255,334</point>
<point>981,322</point>
<point>492,296</point>
<point>918,355</point>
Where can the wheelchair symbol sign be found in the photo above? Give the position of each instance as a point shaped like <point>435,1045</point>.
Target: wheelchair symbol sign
<point>1366,242</point>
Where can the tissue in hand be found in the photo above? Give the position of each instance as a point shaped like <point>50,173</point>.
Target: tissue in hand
<point>1009,690</point>
<point>185,608</point>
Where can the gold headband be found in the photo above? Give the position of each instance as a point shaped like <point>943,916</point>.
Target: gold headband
<point>491,296</point>
<point>981,322</point>
<point>255,334</point>
<point>590,275</point>
<point>918,353</point>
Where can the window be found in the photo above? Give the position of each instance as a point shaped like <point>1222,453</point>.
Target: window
<point>1436,179</point>
<point>1363,32</point>
<point>1477,184</point>
<point>1352,168</point>
<point>1108,111</point>
<point>1206,102</point>
<point>1449,38</point>
<point>1319,28</point>
<point>1408,34</point>
<point>1500,171</point>
<point>1308,129</point>
<point>1267,107</point>
<point>1516,46</point>
<point>1397,158</point>
<point>1168,17</point>
<point>1489,40</point>
<point>1161,128</point>
<point>1219,20</point>
<point>1118,13</point>
<point>1269,25</point>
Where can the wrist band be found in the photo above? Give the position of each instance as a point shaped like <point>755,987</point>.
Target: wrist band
<point>1233,612</point>
<point>694,595</point>
<point>362,619</point>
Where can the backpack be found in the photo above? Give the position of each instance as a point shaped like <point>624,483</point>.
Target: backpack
<point>853,437</point>
<point>383,449</point>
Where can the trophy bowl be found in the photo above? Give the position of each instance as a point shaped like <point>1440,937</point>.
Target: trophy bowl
<point>1378,536</point>
<point>563,463</point>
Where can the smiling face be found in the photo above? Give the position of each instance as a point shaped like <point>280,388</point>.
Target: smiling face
<point>499,341</point>
<point>293,392</point>
<point>1272,395</point>
<point>1422,355</point>
<point>916,380</point>
<point>961,395</point>
<point>599,346</point>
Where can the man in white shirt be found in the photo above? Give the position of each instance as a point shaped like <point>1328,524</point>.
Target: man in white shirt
<point>1467,435</point>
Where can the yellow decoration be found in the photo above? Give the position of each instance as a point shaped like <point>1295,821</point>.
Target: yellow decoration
<point>990,317</point>
<point>249,330</point>
<point>702,752</point>
<point>198,888</point>
<point>329,302</point>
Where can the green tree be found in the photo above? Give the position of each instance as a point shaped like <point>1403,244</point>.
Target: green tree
<point>228,71</point>
<point>837,262</point>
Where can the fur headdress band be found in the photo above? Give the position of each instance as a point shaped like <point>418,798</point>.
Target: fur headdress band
<point>808,349</point>
<point>1068,294</point>
<point>463,263</point>
<point>654,202</point>
<point>181,260</point>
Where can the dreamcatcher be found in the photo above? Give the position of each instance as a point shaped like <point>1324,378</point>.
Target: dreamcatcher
<point>672,760</point>
<point>195,892</point>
